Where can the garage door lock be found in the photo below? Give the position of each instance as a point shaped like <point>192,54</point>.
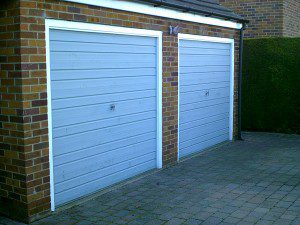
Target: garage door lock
<point>207,93</point>
<point>112,107</point>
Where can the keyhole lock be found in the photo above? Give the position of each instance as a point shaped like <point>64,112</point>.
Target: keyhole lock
<point>207,93</point>
<point>112,107</point>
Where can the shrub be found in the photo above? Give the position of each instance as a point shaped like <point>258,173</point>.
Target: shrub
<point>271,85</point>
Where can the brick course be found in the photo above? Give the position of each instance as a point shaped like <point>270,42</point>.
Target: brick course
<point>268,18</point>
<point>291,18</point>
<point>24,154</point>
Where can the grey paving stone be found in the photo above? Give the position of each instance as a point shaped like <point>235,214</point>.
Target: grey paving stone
<point>84,222</point>
<point>212,220</point>
<point>155,222</point>
<point>251,219</point>
<point>282,221</point>
<point>296,221</point>
<point>289,216</point>
<point>261,210</point>
<point>175,221</point>
<point>202,215</point>
<point>231,220</point>
<point>253,181</point>
<point>239,214</point>
<point>244,222</point>
<point>264,222</point>
<point>273,216</point>
<point>221,215</point>
<point>193,222</point>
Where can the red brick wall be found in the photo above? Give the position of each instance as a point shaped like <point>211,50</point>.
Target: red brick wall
<point>265,16</point>
<point>13,177</point>
<point>268,18</point>
<point>291,19</point>
<point>33,150</point>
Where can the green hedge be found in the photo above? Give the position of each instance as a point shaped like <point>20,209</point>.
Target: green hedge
<point>271,85</point>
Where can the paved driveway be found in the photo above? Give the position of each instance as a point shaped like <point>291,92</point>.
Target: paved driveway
<point>256,181</point>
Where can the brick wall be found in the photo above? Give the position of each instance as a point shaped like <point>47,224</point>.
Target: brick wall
<point>33,151</point>
<point>291,19</point>
<point>265,16</point>
<point>268,18</point>
<point>13,187</point>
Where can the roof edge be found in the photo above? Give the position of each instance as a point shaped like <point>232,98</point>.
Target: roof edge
<point>187,9</point>
<point>150,9</point>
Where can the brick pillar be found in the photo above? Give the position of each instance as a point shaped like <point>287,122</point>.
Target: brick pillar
<point>24,154</point>
<point>170,99</point>
<point>34,83</point>
<point>13,189</point>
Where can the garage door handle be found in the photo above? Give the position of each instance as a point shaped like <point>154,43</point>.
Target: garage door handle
<point>112,107</point>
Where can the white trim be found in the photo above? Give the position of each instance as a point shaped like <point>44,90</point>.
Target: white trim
<point>216,40</point>
<point>205,38</point>
<point>231,110</point>
<point>49,107</point>
<point>159,100</point>
<point>159,11</point>
<point>90,27</point>
<point>178,99</point>
<point>77,26</point>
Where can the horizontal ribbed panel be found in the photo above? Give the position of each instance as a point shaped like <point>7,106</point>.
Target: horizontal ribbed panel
<point>95,145</point>
<point>204,95</point>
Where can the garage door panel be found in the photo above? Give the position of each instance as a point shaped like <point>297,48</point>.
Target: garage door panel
<point>88,165</point>
<point>91,37</point>
<point>96,64</point>
<point>203,138</point>
<point>202,78</point>
<point>203,104</point>
<point>105,73</point>
<point>197,131</point>
<point>191,97</point>
<point>203,69</point>
<point>204,60</point>
<point>203,121</point>
<point>110,176</point>
<point>104,109</point>
<point>66,46</point>
<point>207,86</point>
<point>202,45</point>
<point>77,88</point>
<point>101,111</point>
<point>205,144</point>
<point>103,123</point>
<point>109,58</point>
<point>96,99</point>
<point>97,137</point>
<point>197,51</point>
<point>66,157</point>
<point>204,112</point>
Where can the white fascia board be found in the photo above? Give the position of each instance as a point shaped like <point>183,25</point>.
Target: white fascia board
<point>204,38</point>
<point>159,11</point>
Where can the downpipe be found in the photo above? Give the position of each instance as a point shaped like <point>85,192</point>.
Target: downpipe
<point>240,80</point>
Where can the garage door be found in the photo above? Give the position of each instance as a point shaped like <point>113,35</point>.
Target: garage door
<point>204,79</point>
<point>104,109</point>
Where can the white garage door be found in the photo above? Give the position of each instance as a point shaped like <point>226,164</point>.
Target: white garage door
<point>205,87</point>
<point>104,109</point>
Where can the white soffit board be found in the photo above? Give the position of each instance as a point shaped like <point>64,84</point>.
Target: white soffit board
<point>158,11</point>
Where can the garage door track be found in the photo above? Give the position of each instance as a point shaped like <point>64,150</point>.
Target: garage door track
<point>255,181</point>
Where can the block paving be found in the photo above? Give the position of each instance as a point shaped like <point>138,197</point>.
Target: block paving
<point>255,181</point>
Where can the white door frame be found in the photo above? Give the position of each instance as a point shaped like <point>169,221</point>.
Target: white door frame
<point>97,28</point>
<point>216,40</point>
